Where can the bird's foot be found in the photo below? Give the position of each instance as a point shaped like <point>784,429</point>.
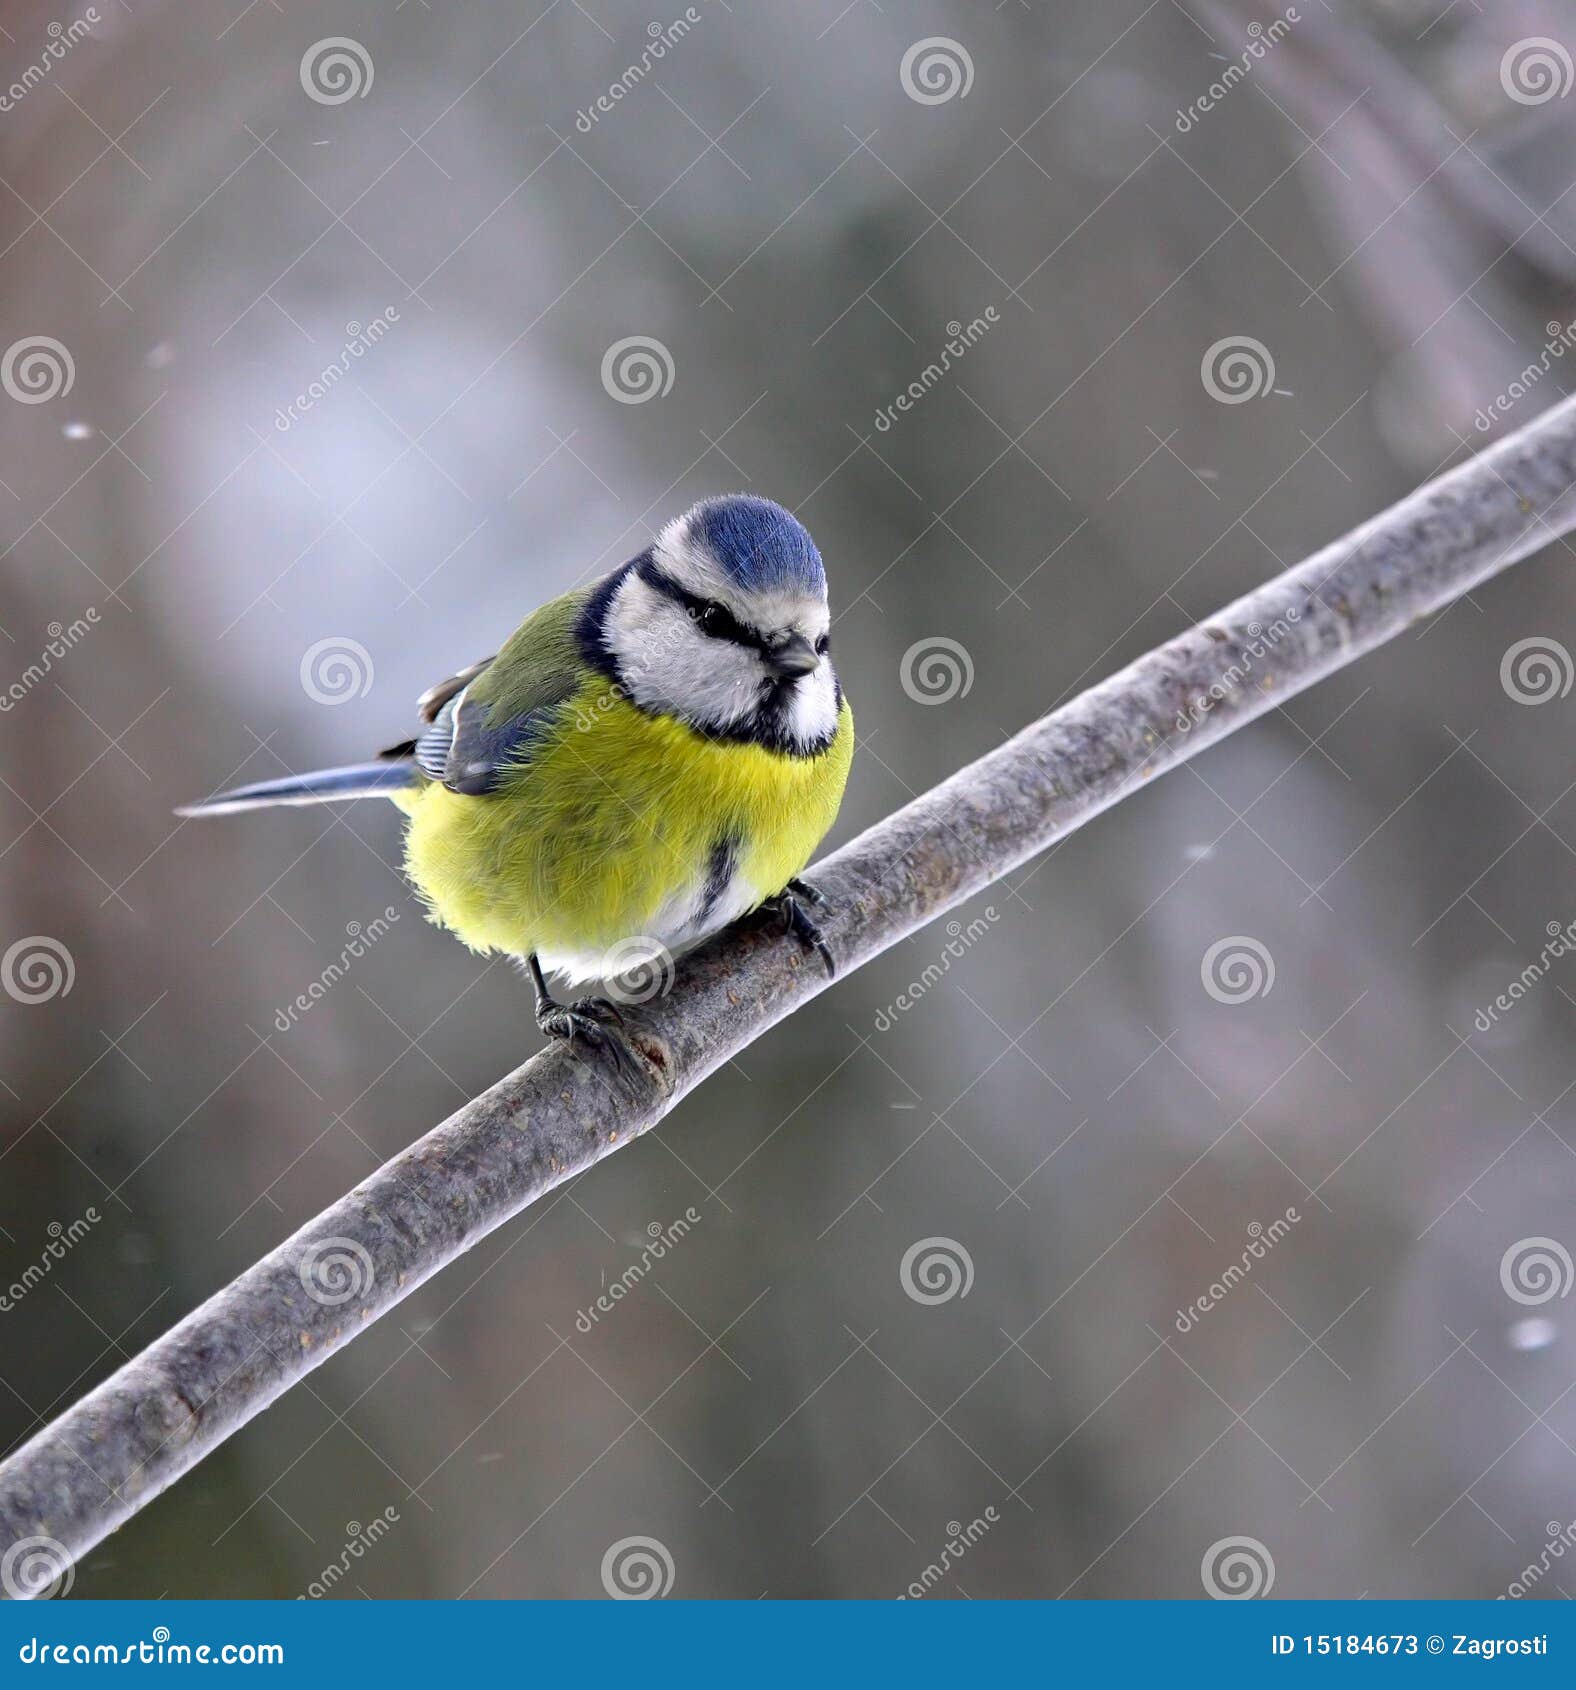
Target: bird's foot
<point>584,1020</point>
<point>789,908</point>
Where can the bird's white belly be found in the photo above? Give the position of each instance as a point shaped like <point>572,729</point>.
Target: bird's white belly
<point>645,960</point>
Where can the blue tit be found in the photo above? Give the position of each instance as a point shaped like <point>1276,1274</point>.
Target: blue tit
<point>647,759</point>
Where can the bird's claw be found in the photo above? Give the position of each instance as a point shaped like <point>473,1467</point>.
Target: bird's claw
<point>598,1009</point>
<point>583,1020</point>
<point>795,919</point>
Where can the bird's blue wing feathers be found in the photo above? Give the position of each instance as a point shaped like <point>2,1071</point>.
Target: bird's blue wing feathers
<point>484,721</point>
<point>469,756</point>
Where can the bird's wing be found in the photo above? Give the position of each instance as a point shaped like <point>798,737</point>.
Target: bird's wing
<point>435,697</point>
<point>483,721</point>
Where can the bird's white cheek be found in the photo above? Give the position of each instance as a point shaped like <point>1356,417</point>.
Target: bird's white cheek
<point>814,712</point>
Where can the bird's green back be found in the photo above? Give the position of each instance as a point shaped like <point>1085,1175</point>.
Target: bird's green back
<point>540,664</point>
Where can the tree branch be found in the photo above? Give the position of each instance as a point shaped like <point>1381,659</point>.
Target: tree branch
<point>111,1454</point>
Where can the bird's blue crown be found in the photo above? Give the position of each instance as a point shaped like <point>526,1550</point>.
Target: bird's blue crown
<point>758,544</point>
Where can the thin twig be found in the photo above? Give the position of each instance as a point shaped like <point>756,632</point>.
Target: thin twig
<point>111,1454</point>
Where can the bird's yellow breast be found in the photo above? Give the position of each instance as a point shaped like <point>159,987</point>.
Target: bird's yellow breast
<point>614,820</point>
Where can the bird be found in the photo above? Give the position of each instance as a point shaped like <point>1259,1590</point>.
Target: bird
<point>647,759</point>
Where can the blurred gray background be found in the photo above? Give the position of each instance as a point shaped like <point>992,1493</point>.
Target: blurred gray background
<point>1380,199</point>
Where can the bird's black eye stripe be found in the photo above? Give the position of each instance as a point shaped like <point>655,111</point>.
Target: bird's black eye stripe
<point>718,621</point>
<point>711,618</point>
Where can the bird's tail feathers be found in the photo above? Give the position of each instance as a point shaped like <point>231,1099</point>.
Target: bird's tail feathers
<point>322,786</point>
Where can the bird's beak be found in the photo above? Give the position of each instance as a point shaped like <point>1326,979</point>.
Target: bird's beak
<point>791,658</point>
